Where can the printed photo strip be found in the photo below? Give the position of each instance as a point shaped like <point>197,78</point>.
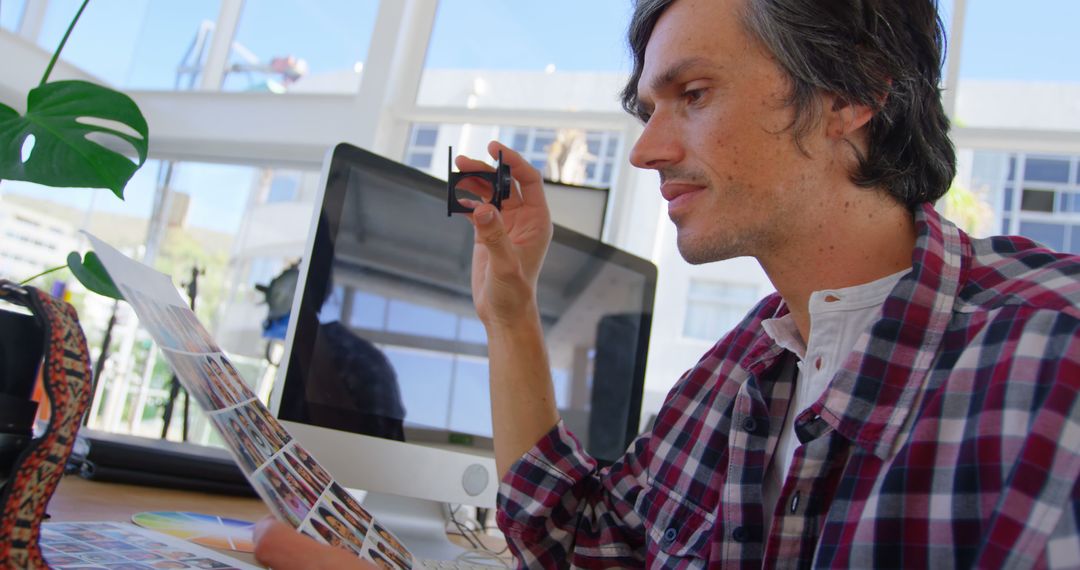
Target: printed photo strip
<point>286,476</point>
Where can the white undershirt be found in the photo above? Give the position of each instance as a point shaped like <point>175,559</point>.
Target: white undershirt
<point>837,318</point>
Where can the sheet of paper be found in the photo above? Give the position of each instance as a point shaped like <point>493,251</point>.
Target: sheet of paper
<point>287,478</point>
<point>123,546</point>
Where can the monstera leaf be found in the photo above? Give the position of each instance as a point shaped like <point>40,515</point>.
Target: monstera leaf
<point>91,273</point>
<point>56,143</point>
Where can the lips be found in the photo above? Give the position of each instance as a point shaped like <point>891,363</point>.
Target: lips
<point>671,191</point>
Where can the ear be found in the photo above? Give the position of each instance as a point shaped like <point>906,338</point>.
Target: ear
<point>846,118</point>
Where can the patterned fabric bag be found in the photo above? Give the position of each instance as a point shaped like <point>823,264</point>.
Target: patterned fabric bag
<point>37,470</point>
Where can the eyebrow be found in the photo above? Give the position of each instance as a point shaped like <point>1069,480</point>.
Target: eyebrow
<point>671,76</point>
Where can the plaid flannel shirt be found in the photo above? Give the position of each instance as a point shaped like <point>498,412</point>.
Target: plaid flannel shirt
<point>950,438</point>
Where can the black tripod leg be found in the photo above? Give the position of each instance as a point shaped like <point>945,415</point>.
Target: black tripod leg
<point>174,390</point>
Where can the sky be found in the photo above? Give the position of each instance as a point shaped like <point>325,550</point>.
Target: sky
<point>139,44</point>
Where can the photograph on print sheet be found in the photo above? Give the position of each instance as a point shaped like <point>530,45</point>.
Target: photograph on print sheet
<point>202,338</point>
<point>259,411</point>
<point>339,493</point>
<point>151,317</point>
<point>242,437</point>
<point>233,388</point>
<point>283,500</point>
<point>401,561</point>
<point>389,546</point>
<point>337,523</point>
<point>205,388</point>
<point>325,535</point>
<point>168,324</point>
<point>309,495</point>
<point>382,562</point>
<point>229,372</point>
<point>317,484</point>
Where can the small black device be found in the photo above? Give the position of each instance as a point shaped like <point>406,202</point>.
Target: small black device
<point>499,180</point>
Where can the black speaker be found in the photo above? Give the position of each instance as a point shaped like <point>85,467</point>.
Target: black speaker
<point>613,417</point>
<point>21,345</point>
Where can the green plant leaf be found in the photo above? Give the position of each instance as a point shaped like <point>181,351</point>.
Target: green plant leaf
<point>92,274</point>
<point>64,153</point>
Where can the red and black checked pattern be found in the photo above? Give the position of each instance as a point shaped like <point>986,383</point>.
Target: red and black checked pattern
<point>66,377</point>
<point>949,438</point>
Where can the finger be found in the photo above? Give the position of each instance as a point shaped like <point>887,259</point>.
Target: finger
<point>491,233</point>
<point>530,181</point>
<point>467,164</point>
<point>279,546</point>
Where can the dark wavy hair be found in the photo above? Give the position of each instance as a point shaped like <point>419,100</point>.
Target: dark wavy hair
<point>885,54</point>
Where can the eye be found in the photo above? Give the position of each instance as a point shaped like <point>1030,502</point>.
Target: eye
<point>693,96</point>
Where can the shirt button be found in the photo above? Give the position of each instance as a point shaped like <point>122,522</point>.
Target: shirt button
<point>670,534</point>
<point>739,534</point>
<point>749,425</point>
<point>795,502</point>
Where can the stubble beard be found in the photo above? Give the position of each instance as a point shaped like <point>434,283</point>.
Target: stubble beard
<point>698,251</point>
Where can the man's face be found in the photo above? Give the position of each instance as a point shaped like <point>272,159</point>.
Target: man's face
<point>718,134</point>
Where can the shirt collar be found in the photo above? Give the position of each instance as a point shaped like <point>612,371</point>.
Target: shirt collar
<point>875,391</point>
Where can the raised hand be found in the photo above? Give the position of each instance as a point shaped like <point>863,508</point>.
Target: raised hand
<point>510,245</point>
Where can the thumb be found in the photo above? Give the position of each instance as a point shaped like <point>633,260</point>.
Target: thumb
<point>491,233</point>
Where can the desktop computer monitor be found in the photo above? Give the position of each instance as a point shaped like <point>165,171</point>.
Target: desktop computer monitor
<point>385,375</point>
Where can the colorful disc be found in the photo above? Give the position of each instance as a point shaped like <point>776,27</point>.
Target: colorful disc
<point>207,530</point>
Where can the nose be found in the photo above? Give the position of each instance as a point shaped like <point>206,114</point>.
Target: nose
<point>659,144</point>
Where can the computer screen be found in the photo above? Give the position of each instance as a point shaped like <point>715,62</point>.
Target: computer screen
<point>386,372</point>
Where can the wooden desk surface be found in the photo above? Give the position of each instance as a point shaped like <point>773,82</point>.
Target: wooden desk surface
<point>77,499</point>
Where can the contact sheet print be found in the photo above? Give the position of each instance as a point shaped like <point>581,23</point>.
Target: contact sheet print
<point>289,480</point>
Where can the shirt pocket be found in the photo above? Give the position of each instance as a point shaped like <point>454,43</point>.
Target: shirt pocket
<point>676,525</point>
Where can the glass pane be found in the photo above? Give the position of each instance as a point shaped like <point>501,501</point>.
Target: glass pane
<point>410,318</point>
<point>559,54</point>
<point>1008,199</point>
<point>11,12</point>
<point>1047,169</point>
<point>368,311</point>
<point>1074,245</point>
<point>471,411</point>
<point>1006,225</point>
<point>424,378</point>
<point>425,135</point>
<point>301,46</point>
<point>421,160</point>
<point>1008,57</point>
<point>211,224</point>
<point>136,44</point>
<point>1050,235</point>
<point>1037,201</point>
<point>471,330</point>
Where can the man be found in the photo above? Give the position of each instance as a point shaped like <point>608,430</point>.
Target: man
<point>907,398</point>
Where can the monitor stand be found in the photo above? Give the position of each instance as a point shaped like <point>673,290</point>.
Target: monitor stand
<point>419,524</point>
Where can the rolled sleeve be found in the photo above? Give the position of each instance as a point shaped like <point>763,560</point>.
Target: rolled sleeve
<point>557,508</point>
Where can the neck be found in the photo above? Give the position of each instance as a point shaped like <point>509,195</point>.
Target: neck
<point>861,236</point>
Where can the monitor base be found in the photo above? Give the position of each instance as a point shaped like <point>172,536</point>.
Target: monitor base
<point>419,524</point>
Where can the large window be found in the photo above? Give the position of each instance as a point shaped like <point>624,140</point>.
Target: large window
<point>1034,195</point>
<point>560,55</point>
<point>713,308</point>
<point>11,12</point>
<point>236,225</point>
<point>422,146</point>
<point>1016,68</point>
<point>301,46</point>
<point>135,44</point>
<point>1041,200</point>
